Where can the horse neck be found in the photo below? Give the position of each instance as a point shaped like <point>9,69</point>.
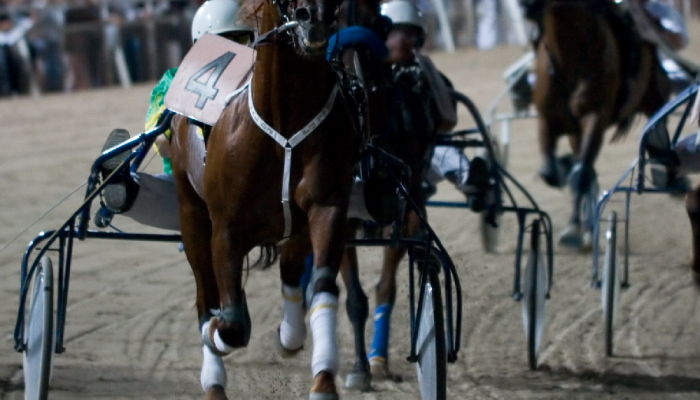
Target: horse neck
<point>573,33</point>
<point>288,89</point>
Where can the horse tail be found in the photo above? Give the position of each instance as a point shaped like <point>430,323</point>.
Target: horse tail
<point>269,253</point>
<point>623,127</point>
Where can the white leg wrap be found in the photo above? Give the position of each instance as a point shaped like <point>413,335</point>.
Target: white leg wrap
<point>221,345</point>
<point>293,328</point>
<point>324,308</point>
<point>218,343</point>
<point>213,372</point>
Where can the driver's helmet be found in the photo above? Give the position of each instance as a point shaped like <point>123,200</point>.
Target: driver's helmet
<point>219,17</point>
<point>403,12</point>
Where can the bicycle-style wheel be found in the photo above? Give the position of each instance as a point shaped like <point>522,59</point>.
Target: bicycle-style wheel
<point>430,347</point>
<point>534,297</point>
<point>39,333</point>
<point>610,283</point>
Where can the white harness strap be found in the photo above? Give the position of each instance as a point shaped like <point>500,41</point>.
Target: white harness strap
<point>288,145</point>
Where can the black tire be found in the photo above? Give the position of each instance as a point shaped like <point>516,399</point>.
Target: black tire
<point>534,297</point>
<point>39,334</point>
<point>431,367</point>
<point>610,285</point>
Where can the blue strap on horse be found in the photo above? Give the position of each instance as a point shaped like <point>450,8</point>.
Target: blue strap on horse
<point>380,338</point>
<point>357,36</point>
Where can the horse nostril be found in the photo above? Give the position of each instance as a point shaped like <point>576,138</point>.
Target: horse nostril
<point>302,14</point>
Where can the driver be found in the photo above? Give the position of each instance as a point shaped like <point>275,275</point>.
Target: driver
<point>404,41</point>
<point>151,199</point>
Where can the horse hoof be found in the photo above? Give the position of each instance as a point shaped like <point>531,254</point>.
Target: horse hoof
<point>357,380</point>
<point>283,351</point>
<point>572,237</point>
<point>215,392</point>
<point>323,387</point>
<point>587,241</point>
<point>551,178</point>
<point>380,372</point>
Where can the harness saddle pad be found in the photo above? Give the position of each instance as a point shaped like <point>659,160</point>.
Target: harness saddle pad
<point>212,69</point>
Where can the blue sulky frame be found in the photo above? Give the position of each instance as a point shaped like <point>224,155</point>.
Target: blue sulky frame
<point>464,139</point>
<point>637,181</point>
<point>68,232</point>
<point>61,241</point>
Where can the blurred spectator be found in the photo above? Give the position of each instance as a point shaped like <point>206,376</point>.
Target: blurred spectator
<point>84,45</point>
<point>45,43</point>
<point>172,40</point>
<point>14,53</point>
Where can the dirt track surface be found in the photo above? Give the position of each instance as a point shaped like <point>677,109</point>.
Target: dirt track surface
<point>131,326</point>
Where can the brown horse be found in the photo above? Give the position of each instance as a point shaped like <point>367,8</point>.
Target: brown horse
<point>262,188</point>
<point>593,72</point>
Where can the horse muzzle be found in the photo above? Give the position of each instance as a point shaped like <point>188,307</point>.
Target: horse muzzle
<point>312,32</point>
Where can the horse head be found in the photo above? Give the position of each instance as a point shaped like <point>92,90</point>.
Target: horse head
<point>315,23</point>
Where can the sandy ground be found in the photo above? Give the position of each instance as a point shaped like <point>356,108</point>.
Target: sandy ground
<point>131,328</point>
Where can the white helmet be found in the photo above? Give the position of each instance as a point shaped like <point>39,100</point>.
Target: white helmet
<point>403,12</point>
<point>217,16</point>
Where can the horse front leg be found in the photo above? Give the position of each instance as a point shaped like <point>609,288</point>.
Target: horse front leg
<point>582,181</point>
<point>692,206</point>
<point>196,237</point>
<point>327,231</point>
<point>357,307</point>
<point>231,328</point>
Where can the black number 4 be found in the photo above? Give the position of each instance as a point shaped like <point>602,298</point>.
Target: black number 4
<point>206,90</point>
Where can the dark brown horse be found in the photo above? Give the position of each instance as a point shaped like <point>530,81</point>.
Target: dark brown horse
<point>256,192</point>
<point>593,72</point>
<point>408,136</point>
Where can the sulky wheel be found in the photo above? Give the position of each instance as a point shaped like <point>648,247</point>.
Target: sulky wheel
<point>39,333</point>
<point>610,283</point>
<point>534,296</point>
<point>432,355</point>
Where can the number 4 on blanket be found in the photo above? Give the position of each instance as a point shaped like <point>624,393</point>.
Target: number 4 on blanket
<point>212,69</point>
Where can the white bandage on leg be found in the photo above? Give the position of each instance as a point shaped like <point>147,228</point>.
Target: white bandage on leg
<point>293,328</point>
<point>324,308</point>
<point>213,372</point>
<point>217,343</point>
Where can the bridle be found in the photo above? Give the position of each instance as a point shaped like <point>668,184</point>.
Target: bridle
<point>300,16</point>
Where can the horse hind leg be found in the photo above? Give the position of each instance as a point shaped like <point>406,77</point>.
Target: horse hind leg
<point>357,307</point>
<point>386,297</point>
<point>550,170</point>
<point>292,331</point>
